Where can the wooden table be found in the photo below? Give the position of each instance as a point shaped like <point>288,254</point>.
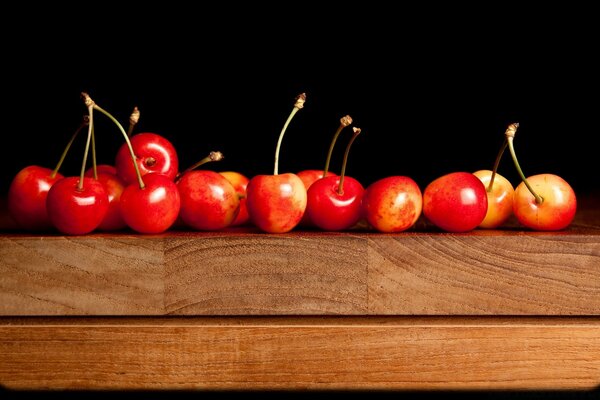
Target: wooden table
<point>501,309</point>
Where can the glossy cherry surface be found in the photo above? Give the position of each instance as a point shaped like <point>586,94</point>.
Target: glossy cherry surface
<point>154,154</point>
<point>75,211</point>
<point>333,211</point>
<point>152,209</point>
<point>276,203</point>
<point>392,204</point>
<point>455,202</point>
<point>557,210</point>
<point>208,200</point>
<point>27,197</point>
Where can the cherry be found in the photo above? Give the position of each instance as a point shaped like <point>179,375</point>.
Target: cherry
<point>455,202</point>
<point>153,153</point>
<point>309,176</point>
<point>544,202</point>
<point>500,194</point>
<point>152,204</point>
<point>77,205</point>
<point>392,204</point>
<point>114,186</point>
<point>27,197</point>
<point>334,203</point>
<point>152,208</point>
<point>29,189</point>
<point>101,168</point>
<point>240,183</point>
<point>276,203</point>
<point>500,191</point>
<point>208,200</point>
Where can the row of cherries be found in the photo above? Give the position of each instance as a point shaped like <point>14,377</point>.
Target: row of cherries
<point>145,191</point>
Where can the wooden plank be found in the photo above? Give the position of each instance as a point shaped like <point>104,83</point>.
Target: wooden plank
<point>485,274</point>
<point>98,275</point>
<point>301,273</point>
<point>301,353</point>
<point>246,272</point>
<point>257,274</point>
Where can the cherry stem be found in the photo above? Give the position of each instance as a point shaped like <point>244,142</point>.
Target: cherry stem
<point>94,169</point>
<point>509,137</point>
<point>300,99</point>
<point>90,103</point>
<point>212,156</point>
<point>85,122</point>
<point>133,120</point>
<point>344,122</point>
<point>343,172</point>
<point>87,146</point>
<point>496,163</point>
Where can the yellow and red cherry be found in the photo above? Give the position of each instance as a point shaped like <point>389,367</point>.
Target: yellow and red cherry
<point>276,203</point>
<point>208,200</point>
<point>500,191</point>
<point>239,182</point>
<point>500,199</point>
<point>392,204</point>
<point>555,212</point>
<point>543,202</point>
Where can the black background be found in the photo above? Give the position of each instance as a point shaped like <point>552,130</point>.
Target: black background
<point>433,90</point>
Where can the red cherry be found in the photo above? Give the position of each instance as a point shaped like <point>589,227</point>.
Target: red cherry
<point>240,184</point>
<point>114,186</point>
<point>149,205</point>
<point>152,209</point>
<point>276,203</point>
<point>153,152</point>
<point>455,202</point>
<point>333,211</point>
<point>29,189</point>
<point>308,177</point>
<point>106,168</point>
<point>74,210</point>
<point>27,197</point>
<point>392,204</point>
<point>208,200</point>
<point>334,203</point>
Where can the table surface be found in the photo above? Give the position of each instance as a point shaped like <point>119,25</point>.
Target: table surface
<point>240,309</point>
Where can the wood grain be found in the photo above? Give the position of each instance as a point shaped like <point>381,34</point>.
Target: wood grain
<point>300,353</point>
<point>301,273</point>
<point>245,272</point>
<point>521,274</point>
<point>55,275</point>
<point>257,274</point>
